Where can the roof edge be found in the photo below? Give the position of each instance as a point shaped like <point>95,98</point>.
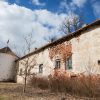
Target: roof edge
<point>63,39</point>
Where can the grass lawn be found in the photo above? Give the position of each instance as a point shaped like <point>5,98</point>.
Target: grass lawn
<point>13,91</point>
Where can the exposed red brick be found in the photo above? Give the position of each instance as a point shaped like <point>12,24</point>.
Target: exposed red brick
<point>64,50</point>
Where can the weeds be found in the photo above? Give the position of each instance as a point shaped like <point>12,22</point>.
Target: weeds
<point>77,85</point>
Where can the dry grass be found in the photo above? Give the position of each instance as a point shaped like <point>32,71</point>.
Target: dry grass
<point>81,85</point>
<point>77,85</point>
<point>39,82</point>
<point>13,91</point>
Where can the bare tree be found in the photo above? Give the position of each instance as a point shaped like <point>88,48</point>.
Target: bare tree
<point>66,26</point>
<point>29,61</point>
<point>71,24</point>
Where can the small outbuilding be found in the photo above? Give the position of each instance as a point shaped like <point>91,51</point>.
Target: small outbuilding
<point>7,64</point>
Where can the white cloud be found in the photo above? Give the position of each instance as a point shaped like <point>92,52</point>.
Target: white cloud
<point>16,21</point>
<point>96,8</point>
<point>38,3</point>
<point>79,3</point>
<point>17,1</point>
<point>3,0</point>
<point>72,5</point>
<point>64,5</point>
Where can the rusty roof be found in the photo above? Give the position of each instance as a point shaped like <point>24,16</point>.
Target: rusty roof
<point>63,39</point>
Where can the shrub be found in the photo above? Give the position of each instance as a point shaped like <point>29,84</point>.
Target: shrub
<point>39,82</point>
<point>61,82</point>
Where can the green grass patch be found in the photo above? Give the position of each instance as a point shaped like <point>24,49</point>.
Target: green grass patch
<point>4,97</point>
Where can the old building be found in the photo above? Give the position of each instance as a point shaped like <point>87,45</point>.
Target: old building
<point>7,64</point>
<point>78,52</point>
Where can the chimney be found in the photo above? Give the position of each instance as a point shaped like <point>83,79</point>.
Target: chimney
<point>35,48</point>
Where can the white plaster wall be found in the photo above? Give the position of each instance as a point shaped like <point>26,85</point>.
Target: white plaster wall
<point>86,52</point>
<point>7,67</point>
<point>48,65</point>
<point>41,58</point>
<point>85,56</point>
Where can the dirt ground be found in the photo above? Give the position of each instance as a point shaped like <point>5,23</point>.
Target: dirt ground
<point>13,91</point>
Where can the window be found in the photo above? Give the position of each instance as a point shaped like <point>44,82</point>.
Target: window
<point>41,68</point>
<point>98,62</point>
<point>68,63</point>
<point>20,72</point>
<point>57,64</point>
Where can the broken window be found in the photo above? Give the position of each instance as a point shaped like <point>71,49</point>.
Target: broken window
<point>68,64</point>
<point>57,64</point>
<point>41,68</point>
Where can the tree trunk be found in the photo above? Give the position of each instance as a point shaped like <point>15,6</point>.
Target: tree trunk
<point>25,83</point>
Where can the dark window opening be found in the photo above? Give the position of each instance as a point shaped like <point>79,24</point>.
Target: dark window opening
<point>20,73</point>
<point>98,62</point>
<point>57,64</point>
<point>41,68</point>
<point>68,63</point>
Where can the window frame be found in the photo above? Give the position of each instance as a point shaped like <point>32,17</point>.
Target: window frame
<point>40,68</point>
<point>98,62</point>
<point>68,63</point>
<point>57,64</point>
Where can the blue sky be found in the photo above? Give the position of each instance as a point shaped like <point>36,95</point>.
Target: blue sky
<point>42,18</point>
<point>86,7</point>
